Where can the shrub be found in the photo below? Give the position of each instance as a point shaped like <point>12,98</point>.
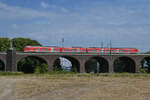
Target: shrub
<point>60,72</point>
<point>37,70</point>
<point>43,68</point>
<point>11,73</point>
<point>143,70</point>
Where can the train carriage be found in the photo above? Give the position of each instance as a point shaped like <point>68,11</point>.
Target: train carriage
<point>79,49</point>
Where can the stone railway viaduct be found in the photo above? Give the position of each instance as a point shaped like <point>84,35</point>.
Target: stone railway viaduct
<point>11,59</point>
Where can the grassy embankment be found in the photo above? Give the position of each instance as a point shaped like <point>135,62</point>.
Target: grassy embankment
<point>71,74</point>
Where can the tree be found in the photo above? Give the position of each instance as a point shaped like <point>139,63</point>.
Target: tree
<point>18,43</point>
<point>4,44</point>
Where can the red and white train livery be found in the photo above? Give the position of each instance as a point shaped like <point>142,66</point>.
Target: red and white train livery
<point>79,49</point>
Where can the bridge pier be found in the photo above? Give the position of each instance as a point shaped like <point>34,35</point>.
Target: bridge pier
<point>82,65</point>
<point>50,61</point>
<point>111,67</point>
<point>138,64</point>
<point>50,66</point>
<point>11,61</point>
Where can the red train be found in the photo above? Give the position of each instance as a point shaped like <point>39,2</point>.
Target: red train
<point>79,49</point>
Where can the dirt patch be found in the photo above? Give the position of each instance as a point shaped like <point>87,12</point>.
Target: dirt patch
<point>74,88</point>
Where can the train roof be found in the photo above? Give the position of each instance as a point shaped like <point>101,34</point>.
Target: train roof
<point>80,47</point>
<point>77,47</point>
<point>41,46</point>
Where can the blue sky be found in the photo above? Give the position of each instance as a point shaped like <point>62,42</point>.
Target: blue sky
<point>81,22</point>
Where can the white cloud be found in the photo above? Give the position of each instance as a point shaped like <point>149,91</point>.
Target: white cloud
<point>44,4</point>
<point>14,26</point>
<point>14,12</point>
<point>91,24</point>
<point>64,9</point>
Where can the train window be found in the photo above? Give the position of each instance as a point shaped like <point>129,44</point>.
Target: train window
<point>42,50</point>
<point>39,49</point>
<point>78,50</point>
<point>54,49</point>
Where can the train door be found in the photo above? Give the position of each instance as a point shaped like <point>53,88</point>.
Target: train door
<point>52,49</point>
<point>117,51</point>
<point>102,51</point>
<point>78,50</point>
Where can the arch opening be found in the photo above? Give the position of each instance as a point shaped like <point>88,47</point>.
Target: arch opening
<point>32,64</point>
<point>96,65</point>
<point>2,66</point>
<point>145,65</point>
<point>124,64</point>
<point>66,63</point>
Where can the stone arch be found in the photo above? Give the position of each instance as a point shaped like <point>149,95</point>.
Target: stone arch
<point>2,65</point>
<point>27,64</point>
<point>75,64</point>
<point>124,64</point>
<point>97,64</point>
<point>3,60</point>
